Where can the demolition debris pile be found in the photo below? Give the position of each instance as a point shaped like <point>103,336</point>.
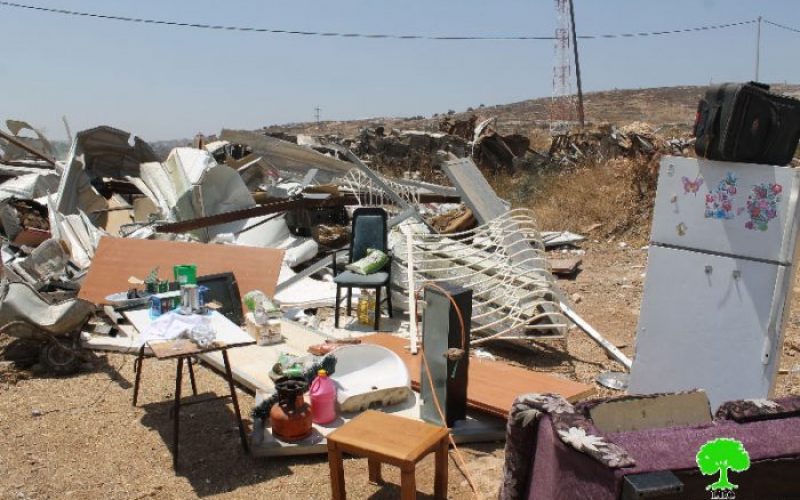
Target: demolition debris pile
<point>297,193</point>
<point>420,154</point>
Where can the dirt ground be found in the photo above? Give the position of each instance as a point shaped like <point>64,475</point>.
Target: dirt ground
<point>79,437</point>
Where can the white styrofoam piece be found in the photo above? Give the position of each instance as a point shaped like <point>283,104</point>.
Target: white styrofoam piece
<point>706,323</point>
<point>681,219</point>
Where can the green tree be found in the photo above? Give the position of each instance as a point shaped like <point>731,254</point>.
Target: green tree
<point>720,455</point>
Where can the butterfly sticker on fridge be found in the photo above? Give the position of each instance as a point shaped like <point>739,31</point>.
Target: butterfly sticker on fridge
<point>692,186</point>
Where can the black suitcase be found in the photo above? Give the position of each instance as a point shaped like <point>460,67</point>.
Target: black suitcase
<point>747,123</point>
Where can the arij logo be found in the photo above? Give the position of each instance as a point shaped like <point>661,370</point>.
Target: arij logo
<point>719,456</point>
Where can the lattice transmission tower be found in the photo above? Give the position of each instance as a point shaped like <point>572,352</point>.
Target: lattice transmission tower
<point>566,107</point>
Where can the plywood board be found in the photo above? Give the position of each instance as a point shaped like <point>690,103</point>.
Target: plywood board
<point>117,259</point>
<point>492,385</point>
<point>668,410</point>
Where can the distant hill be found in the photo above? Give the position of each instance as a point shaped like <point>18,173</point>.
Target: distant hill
<point>662,106</point>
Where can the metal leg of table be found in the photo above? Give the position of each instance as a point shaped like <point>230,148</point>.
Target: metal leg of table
<point>137,367</point>
<point>176,415</point>
<point>235,400</point>
<point>191,376</point>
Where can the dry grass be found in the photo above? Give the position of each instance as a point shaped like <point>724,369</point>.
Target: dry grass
<point>618,194</point>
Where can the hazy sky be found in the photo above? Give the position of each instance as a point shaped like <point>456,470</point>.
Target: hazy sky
<point>168,82</point>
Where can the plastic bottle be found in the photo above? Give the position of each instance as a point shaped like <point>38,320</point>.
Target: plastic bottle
<point>323,399</point>
<point>362,308</point>
<point>370,309</point>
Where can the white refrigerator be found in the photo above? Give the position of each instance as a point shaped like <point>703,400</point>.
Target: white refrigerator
<point>719,278</point>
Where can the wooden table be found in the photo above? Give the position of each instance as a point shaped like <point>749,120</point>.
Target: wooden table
<point>398,441</point>
<point>183,350</point>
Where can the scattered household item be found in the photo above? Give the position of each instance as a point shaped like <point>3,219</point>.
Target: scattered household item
<point>224,289</point>
<point>365,307</point>
<point>493,385</point>
<point>729,232</point>
<point>614,380</point>
<point>116,259</point>
<point>173,325</point>
<point>25,314</point>
<point>323,399</point>
<point>202,335</point>
<point>264,330</point>
<point>374,261</point>
<point>183,351</point>
<point>385,438</point>
<point>131,298</point>
<point>190,298</point>
<point>331,345</point>
<point>746,122</point>
<point>556,450</point>
<point>369,232</point>
<point>256,299</point>
<point>162,303</point>
<point>446,323</point>
<point>291,416</point>
<point>185,274</point>
<point>369,375</point>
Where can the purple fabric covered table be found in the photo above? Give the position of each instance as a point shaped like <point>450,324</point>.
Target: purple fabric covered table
<point>557,467</point>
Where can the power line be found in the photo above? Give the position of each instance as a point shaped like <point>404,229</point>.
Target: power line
<point>788,28</point>
<point>162,22</point>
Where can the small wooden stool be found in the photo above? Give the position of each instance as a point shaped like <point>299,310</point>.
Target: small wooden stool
<point>398,441</point>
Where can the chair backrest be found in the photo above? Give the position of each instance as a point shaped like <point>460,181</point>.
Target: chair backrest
<point>369,231</point>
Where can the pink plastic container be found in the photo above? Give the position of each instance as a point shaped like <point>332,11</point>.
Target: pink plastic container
<point>323,399</point>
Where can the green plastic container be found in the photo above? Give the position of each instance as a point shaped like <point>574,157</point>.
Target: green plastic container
<point>185,274</point>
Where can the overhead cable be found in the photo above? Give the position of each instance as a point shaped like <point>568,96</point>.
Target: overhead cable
<point>251,29</point>
<point>788,28</point>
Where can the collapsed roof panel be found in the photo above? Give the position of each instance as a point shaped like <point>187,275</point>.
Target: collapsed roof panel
<point>289,157</point>
<point>108,152</point>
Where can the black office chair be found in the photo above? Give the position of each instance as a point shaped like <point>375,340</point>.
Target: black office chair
<point>369,231</point>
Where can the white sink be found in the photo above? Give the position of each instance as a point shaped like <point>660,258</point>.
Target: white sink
<point>369,375</point>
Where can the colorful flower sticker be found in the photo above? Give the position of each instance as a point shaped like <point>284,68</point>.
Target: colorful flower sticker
<point>720,202</point>
<point>762,205</point>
